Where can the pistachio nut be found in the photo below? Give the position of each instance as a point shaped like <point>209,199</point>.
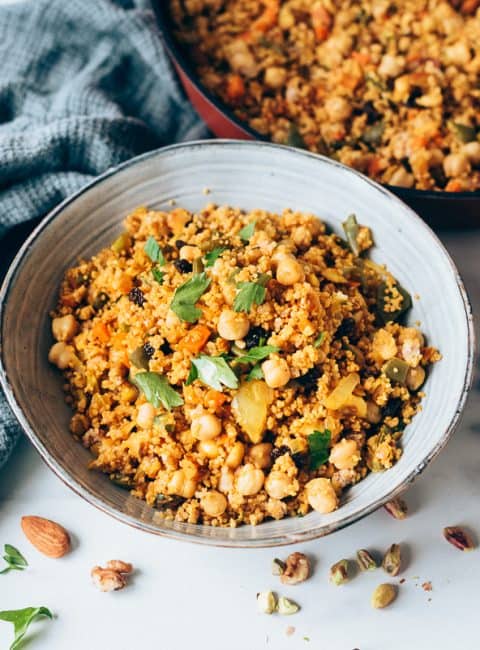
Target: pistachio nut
<point>397,508</point>
<point>278,567</point>
<point>365,561</point>
<point>287,606</point>
<point>459,538</point>
<point>266,602</point>
<point>392,560</point>
<point>383,596</point>
<point>339,572</point>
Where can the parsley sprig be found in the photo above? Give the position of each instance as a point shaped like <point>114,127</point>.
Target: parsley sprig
<point>212,371</point>
<point>246,233</point>
<point>319,448</point>
<point>157,390</point>
<point>257,354</point>
<point>154,252</point>
<point>212,256</point>
<point>251,293</point>
<point>14,559</point>
<point>187,294</point>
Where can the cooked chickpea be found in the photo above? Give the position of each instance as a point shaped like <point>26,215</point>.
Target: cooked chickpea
<point>472,151</point>
<point>401,178</point>
<point>259,454</point>
<point>415,378</point>
<point>338,109</point>
<point>190,253</point>
<point>276,372</point>
<point>145,416</point>
<point>456,164</point>
<point>249,480</point>
<point>391,66</point>
<point>289,270</point>
<point>181,485</point>
<point>64,328</point>
<point>206,426</point>
<point>278,485</point>
<point>225,483</point>
<point>235,455</point>
<point>213,503</point>
<point>232,325</point>
<point>374,414</point>
<point>62,355</point>
<point>321,495</point>
<point>344,455</point>
<point>208,448</point>
<point>275,76</point>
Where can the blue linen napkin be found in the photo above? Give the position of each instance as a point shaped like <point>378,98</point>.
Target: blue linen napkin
<point>84,85</point>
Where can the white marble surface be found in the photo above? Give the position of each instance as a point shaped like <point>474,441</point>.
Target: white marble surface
<point>189,596</point>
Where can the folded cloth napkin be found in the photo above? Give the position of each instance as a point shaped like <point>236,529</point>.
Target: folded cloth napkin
<point>84,85</point>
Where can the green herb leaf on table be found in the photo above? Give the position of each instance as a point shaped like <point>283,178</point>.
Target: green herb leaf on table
<point>247,231</point>
<point>214,372</point>
<point>319,340</point>
<point>187,294</point>
<point>319,448</point>
<point>157,390</point>
<point>212,256</point>
<point>257,354</point>
<point>21,619</point>
<point>154,252</point>
<point>255,373</point>
<point>250,293</point>
<point>158,275</point>
<point>14,559</point>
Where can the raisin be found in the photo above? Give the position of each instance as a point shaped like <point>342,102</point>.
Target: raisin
<point>346,328</point>
<point>149,350</point>
<point>165,348</point>
<point>372,114</point>
<point>300,459</point>
<point>184,266</point>
<point>254,337</point>
<point>415,93</point>
<point>279,451</point>
<point>180,243</point>
<point>309,381</point>
<point>269,437</point>
<point>101,300</point>
<point>392,407</point>
<point>136,296</point>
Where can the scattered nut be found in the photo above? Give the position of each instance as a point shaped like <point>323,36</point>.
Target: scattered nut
<point>47,536</point>
<point>266,602</point>
<point>287,606</point>
<point>278,567</point>
<point>339,572</point>
<point>297,569</point>
<point>113,577</point>
<point>459,537</point>
<point>392,561</point>
<point>383,596</point>
<point>397,508</point>
<point>365,561</point>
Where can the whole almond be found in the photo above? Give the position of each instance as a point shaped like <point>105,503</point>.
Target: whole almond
<point>47,536</point>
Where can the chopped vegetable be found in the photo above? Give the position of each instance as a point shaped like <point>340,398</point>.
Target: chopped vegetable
<point>195,339</point>
<point>250,407</point>
<point>154,252</point>
<point>343,391</point>
<point>185,297</point>
<point>250,293</point>
<point>465,133</point>
<point>139,357</point>
<point>382,299</point>
<point>21,619</point>
<point>373,134</point>
<point>350,226</point>
<point>197,265</point>
<point>319,340</point>
<point>212,371</point>
<point>158,275</point>
<point>214,254</point>
<point>397,370</point>
<point>294,138</point>
<point>257,354</point>
<point>319,448</point>
<point>14,559</point>
<point>100,300</point>
<point>235,87</point>
<point>101,332</point>
<point>121,243</point>
<point>157,390</point>
<point>247,231</point>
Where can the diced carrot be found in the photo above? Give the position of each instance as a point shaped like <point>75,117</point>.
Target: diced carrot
<point>361,57</point>
<point>235,87</point>
<point>214,399</point>
<point>195,339</point>
<point>375,165</point>
<point>125,283</point>
<point>454,186</point>
<point>101,332</point>
<point>321,21</point>
<point>419,142</point>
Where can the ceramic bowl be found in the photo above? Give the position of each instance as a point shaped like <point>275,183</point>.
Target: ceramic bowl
<point>249,175</point>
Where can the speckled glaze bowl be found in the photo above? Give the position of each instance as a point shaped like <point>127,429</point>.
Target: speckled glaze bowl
<point>248,175</point>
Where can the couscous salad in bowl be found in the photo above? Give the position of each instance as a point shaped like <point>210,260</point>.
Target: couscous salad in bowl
<point>229,366</point>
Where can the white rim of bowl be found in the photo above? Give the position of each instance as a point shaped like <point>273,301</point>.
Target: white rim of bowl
<point>279,540</point>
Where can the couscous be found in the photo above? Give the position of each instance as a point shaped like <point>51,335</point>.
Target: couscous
<point>388,87</point>
<point>231,366</point>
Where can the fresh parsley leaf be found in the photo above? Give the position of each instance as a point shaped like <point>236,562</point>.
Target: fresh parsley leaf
<point>154,252</point>
<point>250,293</point>
<point>214,371</point>
<point>319,340</point>
<point>257,354</point>
<point>318,445</point>
<point>158,275</point>
<point>157,390</point>
<point>14,559</point>
<point>255,373</point>
<point>214,254</point>
<point>192,375</point>
<point>247,231</point>
<point>185,297</point>
<point>21,619</point>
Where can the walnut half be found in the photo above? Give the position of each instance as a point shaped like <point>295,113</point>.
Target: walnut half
<point>113,577</point>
